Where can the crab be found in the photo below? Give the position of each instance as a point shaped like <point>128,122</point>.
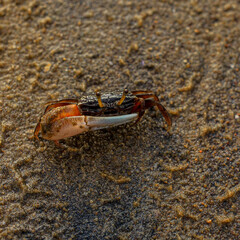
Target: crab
<point>68,117</point>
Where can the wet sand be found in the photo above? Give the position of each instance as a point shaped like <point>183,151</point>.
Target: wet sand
<point>128,182</point>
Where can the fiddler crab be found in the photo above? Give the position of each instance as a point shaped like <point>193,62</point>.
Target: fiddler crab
<point>68,117</point>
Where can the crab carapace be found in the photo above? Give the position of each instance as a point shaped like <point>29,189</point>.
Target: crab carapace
<point>69,117</point>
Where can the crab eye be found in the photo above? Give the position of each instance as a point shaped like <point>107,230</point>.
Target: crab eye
<point>125,90</point>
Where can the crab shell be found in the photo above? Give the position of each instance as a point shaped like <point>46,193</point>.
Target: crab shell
<point>68,117</point>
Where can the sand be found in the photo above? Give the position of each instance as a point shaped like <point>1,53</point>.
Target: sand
<point>133,181</point>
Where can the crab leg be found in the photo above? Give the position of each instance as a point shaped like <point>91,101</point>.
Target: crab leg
<point>151,102</point>
<point>37,130</point>
<point>165,114</point>
<point>55,104</point>
<point>145,95</point>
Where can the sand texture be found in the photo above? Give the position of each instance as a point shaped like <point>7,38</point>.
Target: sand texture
<point>132,181</point>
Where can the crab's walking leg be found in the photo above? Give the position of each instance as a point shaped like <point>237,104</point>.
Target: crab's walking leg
<point>37,130</point>
<point>141,92</point>
<point>145,94</point>
<point>165,114</point>
<point>125,92</point>
<point>60,103</point>
<point>98,95</point>
<point>140,109</point>
<point>150,102</point>
<point>58,144</point>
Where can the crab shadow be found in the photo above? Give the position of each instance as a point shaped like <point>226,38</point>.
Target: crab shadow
<point>107,170</point>
<point>113,149</point>
<point>90,147</point>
